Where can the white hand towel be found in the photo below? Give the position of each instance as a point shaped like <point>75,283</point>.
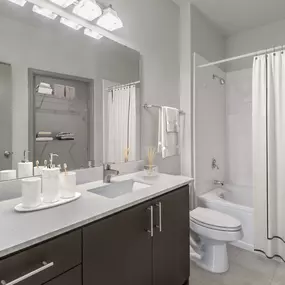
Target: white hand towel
<point>160,119</point>
<point>173,120</point>
<point>168,143</point>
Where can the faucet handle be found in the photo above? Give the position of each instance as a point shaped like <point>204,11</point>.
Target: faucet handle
<point>107,166</point>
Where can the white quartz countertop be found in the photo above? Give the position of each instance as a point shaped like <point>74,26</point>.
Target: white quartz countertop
<point>21,230</point>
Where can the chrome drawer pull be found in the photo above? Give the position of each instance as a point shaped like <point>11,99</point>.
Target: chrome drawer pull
<point>151,220</point>
<point>159,205</point>
<point>30,274</point>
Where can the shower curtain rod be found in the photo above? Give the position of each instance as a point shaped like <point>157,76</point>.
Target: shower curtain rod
<point>260,52</point>
<point>122,86</point>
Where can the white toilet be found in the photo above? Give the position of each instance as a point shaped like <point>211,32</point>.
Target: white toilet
<point>215,230</point>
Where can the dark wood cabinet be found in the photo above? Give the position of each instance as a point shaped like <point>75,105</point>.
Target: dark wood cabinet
<point>171,260</point>
<point>144,245</point>
<point>147,244</point>
<point>118,249</point>
<point>43,262</point>
<point>72,277</point>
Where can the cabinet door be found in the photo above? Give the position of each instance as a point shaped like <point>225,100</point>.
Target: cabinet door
<point>118,249</point>
<point>72,277</point>
<point>171,264</point>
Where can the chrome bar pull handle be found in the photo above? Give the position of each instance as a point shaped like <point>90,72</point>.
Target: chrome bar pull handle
<point>151,220</point>
<point>30,274</point>
<point>159,226</point>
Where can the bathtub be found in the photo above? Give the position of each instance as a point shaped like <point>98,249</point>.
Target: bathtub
<point>236,202</point>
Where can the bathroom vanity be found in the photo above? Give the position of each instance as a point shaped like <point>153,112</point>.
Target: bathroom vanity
<point>139,238</point>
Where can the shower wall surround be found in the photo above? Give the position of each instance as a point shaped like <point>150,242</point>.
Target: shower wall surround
<point>239,127</point>
<point>210,126</point>
<point>223,127</point>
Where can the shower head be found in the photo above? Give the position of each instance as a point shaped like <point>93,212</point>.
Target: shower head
<point>222,80</point>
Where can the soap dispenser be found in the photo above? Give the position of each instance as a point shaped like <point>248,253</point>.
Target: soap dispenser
<point>25,167</point>
<point>38,170</point>
<point>67,182</point>
<point>50,181</point>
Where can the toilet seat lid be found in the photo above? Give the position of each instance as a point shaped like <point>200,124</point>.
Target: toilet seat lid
<point>214,219</point>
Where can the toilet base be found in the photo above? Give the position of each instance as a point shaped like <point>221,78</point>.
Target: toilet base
<point>215,256</point>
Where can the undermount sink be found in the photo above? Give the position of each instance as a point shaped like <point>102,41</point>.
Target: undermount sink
<point>120,188</point>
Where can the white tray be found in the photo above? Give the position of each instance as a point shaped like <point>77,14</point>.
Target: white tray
<point>61,201</point>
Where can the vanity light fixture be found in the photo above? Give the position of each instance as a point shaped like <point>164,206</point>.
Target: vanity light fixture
<point>44,12</point>
<point>110,20</point>
<point>70,24</point>
<point>19,2</point>
<point>63,3</point>
<point>92,34</point>
<point>88,10</point>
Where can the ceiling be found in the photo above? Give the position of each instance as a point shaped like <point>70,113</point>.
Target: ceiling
<point>233,16</point>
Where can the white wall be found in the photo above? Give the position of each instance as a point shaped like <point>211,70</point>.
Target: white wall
<point>210,126</point>
<point>253,40</point>
<point>153,26</point>
<point>239,127</point>
<point>206,39</point>
<point>186,89</point>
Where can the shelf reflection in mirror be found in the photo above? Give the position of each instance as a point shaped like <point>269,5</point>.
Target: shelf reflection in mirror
<point>65,93</point>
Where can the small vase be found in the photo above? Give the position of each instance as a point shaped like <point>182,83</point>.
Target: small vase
<point>151,170</point>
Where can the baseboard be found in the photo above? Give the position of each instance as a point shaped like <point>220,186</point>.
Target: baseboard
<point>243,245</point>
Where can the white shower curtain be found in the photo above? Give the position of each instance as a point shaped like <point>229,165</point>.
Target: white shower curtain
<point>121,124</point>
<point>269,153</point>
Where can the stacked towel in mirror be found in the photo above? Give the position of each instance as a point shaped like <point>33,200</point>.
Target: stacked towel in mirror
<point>44,88</point>
<point>65,136</point>
<point>44,136</point>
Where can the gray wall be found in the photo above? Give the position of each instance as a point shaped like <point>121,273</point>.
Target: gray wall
<point>206,39</point>
<point>254,40</point>
<point>5,115</point>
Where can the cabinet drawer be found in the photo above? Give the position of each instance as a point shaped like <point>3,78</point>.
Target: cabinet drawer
<point>43,262</point>
<point>72,277</point>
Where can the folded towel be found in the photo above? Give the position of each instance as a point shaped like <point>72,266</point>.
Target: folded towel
<point>44,139</point>
<point>64,134</point>
<point>172,118</point>
<point>168,142</point>
<point>45,91</point>
<point>44,88</point>
<point>43,134</point>
<point>66,138</point>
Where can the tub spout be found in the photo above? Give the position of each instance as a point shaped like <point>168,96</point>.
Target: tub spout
<point>218,182</point>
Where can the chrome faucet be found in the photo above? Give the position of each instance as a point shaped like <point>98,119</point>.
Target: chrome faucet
<point>51,156</point>
<point>218,182</point>
<point>108,173</point>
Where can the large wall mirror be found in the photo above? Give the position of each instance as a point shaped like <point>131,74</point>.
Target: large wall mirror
<point>65,93</point>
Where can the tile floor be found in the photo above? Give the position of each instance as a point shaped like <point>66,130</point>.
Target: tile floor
<point>246,268</point>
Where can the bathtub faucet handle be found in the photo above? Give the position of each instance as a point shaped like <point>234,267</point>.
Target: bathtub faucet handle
<point>214,164</point>
<point>218,182</point>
